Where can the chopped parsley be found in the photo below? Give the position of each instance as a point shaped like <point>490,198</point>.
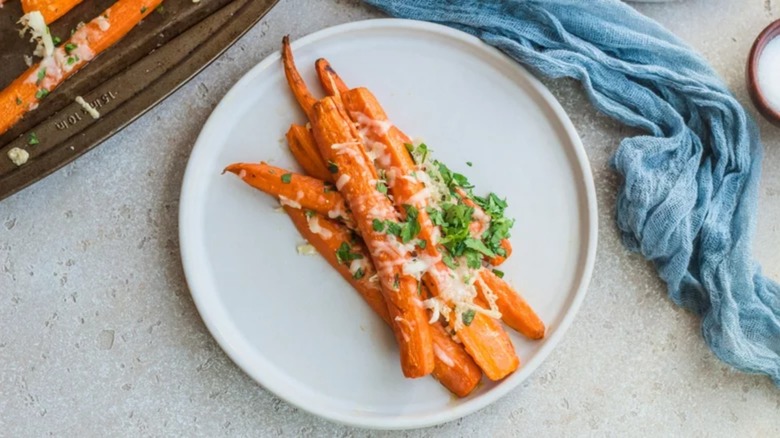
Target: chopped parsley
<point>469,163</point>
<point>422,243</point>
<point>18,101</point>
<point>396,282</point>
<point>41,75</point>
<point>468,316</point>
<point>56,40</point>
<point>332,167</point>
<point>345,255</point>
<point>309,213</point>
<point>360,273</point>
<point>70,47</point>
<point>499,274</point>
<point>72,59</point>
<point>41,93</point>
<point>286,178</point>
<point>144,9</point>
<point>377,225</point>
<point>33,139</point>
<point>381,187</point>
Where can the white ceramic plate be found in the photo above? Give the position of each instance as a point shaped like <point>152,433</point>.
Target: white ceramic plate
<point>290,321</point>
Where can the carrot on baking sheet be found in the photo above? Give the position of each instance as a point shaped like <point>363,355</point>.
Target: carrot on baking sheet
<point>50,9</point>
<point>453,367</point>
<point>293,189</point>
<point>356,179</point>
<point>304,149</point>
<point>24,93</point>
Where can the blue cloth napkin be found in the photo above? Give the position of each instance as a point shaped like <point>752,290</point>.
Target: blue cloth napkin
<point>689,195</point>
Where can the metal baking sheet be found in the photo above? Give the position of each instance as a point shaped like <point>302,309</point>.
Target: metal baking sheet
<point>163,52</point>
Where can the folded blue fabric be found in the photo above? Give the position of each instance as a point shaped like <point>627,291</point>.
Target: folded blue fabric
<point>689,196</point>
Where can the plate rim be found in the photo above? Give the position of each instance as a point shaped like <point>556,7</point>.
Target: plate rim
<point>406,421</point>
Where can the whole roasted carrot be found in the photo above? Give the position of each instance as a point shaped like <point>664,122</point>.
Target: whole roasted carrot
<point>304,149</point>
<point>453,367</point>
<point>293,189</point>
<point>50,9</point>
<point>356,179</point>
<point>294,79</point>
<point>515,311</point>
<point>24,93</point>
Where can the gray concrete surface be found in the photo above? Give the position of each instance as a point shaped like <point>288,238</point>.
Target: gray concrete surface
<point>99,336</point>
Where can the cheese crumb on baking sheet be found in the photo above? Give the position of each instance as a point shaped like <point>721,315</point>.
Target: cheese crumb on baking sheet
<point>87,107</point>
<point>18,156</point>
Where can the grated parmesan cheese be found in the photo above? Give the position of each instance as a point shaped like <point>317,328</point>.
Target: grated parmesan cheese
<point>289,202</point>
<point>18,156</point>
<point>342,181</point>
<point>39,32</point>
<point>316,228</point>
<point>306,249</point>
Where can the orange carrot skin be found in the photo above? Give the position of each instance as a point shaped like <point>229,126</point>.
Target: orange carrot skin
<point>50,9</point>
<point>24,93</point>
<point>306,153</point>
<point>294,79</point>
<point>310,193</point>
<point>515,311</point>
<point>453,367</point>
<point>330,80</point>
<point>331,127</point>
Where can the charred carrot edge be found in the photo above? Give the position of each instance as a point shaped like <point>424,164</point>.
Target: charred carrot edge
<point>486,341</point>
<point>453,367</point>
<point>515,311</point>
<point>305,151</point>
<point>355,176</point>
<point>24,93</point>
<point>50,9</point>
<point>293,189</point>
<point>330,80</point>
<point>294,79</point>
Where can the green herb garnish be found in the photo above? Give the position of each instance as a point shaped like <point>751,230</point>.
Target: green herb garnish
<point>33,139</point>
<point>332,167</point>
<point>468,316</point>
<point>41,93</point>
<point>286,178</point>
<point>345,255</point>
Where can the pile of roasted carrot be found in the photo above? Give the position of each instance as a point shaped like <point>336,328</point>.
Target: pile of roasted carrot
<point>61,59</point>
<point>404,230</point>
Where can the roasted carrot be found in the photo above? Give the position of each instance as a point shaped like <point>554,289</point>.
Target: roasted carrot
<point>294,79</point>
<point>361,104</point>
<point>305,151</point>
<point>329,79</point>
<point>515,311</point>
<point>453,367</point>
<point>24,93</point>
<point>50,9</point>
<point>487,342</point>
<point>340,143</point>
<point>293,189</point>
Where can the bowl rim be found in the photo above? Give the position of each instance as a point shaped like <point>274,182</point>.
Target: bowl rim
<point>769,33</point>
